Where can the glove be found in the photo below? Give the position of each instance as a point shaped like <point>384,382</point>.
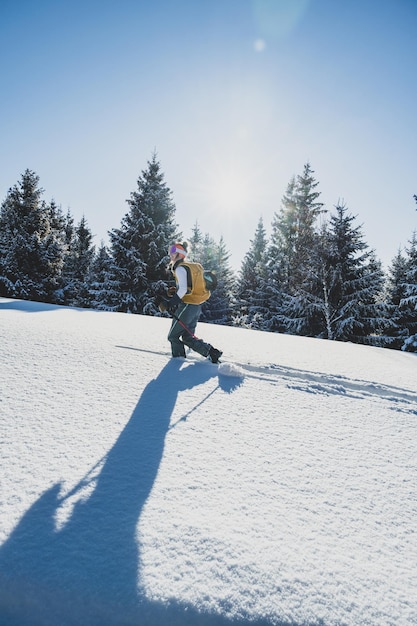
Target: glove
<point>161,303</point>
<point>172,303</point>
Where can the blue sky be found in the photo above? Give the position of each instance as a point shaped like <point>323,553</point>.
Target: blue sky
<point>235,96</point>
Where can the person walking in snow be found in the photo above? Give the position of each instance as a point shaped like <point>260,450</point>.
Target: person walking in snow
<point>184,303</point>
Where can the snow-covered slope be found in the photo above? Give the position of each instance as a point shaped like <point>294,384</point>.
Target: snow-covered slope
<point>136,489</point>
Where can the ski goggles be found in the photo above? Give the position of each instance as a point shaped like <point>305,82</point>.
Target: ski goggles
<point>177,249</point>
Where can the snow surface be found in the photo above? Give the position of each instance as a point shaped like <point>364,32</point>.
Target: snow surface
<point>137,489</point>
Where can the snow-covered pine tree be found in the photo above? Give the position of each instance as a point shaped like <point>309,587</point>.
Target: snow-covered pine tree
<point>373,312</point>
<point>270,293</point>
<point>342,287</point>
<point>292,238</point>
<point>408,303</point>
<point>101,288</point>
<point>251,297</point>
<point>54,244</point>
<point>196,243</point>
<point>395,292</point>
<point>31,246</point>
<point>308,209</point>
<point>139,248</point>
<point>283,239</point>
<point>309,312</point>
<point>293,230</point>
<point>79,258</point>
<point>215,257</point>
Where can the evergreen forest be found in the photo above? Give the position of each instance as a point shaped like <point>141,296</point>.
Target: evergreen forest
<point>314,275</point>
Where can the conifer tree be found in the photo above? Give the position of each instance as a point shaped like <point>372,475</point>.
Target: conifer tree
<point>408,303</point>
<point>292,238</point>
<point>309,312</point>
<point>139,248</point>
<point>395,292</point>
<point>283,238</point>
<point>341,295</point>
<point>101,288</point>
<point>79,258</point>
<point>196,243</point>
<point>293,230</point>
<point>214,257</point>
<point>252,297</point>
<point>31,246</point>
<point>308,210</point>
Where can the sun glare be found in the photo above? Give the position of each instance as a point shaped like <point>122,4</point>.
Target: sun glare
<point>259,45</point>
<point>229,193</point>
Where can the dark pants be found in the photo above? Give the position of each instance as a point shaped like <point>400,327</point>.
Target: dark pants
<point>188,314</point>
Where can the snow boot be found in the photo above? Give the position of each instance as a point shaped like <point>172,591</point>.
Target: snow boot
<point>214,355</point>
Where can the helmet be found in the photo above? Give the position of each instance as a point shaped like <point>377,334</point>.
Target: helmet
<point>178,248</point>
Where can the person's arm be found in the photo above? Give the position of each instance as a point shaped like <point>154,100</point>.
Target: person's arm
<point>181,273</point>
<point>171,303</point>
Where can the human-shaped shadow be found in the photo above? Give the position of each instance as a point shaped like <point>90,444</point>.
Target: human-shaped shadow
<point>87,572</point>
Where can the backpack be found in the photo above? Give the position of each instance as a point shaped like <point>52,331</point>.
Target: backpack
<point>210,279</point>
<point>200,282</point>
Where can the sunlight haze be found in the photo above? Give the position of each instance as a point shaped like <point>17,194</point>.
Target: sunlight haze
<point>235,96</point>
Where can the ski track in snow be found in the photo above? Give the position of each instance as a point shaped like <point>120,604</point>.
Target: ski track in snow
<point>314,382</point>
<point>137,490</point>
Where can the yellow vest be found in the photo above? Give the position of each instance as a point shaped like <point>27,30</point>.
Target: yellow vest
<point>197,292</point>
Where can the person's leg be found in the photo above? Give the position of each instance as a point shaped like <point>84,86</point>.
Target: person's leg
<point>189,317</point>
<point>177,346</point>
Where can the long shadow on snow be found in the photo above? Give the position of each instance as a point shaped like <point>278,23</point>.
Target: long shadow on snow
<point>86,573</point>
